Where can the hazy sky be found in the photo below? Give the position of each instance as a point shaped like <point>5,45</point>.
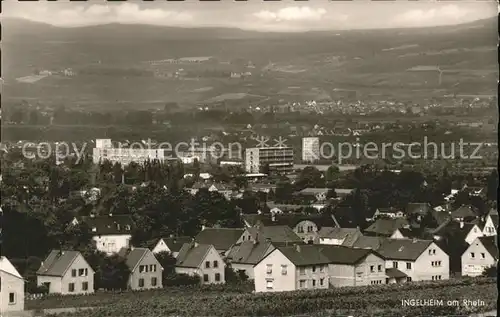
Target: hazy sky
<point>256,14</point>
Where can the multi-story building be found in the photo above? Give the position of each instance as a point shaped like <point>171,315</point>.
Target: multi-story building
<point>104,150</point>
<point>11,288</point>
<point>310,149</point>
<point>273,160</point>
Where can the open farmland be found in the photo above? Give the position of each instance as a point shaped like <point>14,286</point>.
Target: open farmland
<point>384,300</point>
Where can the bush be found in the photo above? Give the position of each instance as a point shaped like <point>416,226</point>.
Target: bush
<point>181,280</point>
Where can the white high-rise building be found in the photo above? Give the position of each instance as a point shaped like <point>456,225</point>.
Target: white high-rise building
<point>104,150</point>
<point>310,149</point>
<point>274,160</point>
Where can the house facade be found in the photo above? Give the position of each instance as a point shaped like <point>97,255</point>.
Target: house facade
<point>171,245</point>
<point>244,256</point>
<point>202,260</point>
<point>419,260</point>
<point>489,228</point>
<point>337,236</point>
<point>66,272</point>
<point>481,254</point>
<point>145,270</point>
<point>292,268</point>
<point>11,288</point>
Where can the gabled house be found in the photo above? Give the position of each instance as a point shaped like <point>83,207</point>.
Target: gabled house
<point>467,232</point>
<point>289,268</point>
<point>490,223</point>
<point>276,234</point>
<point>222,239</point>
<point>202,260</point>
<point>386,227</point>
<point>337,236</point>
<point>212,187</point>
<point>245,255</point>
<point>110,233</point>
<point>353,267</point>
<point>404,233</point>
<point>66,272</point>
<point>304,225</point>
<point>365,242</point>
<point>343,192</point>
<point>171,245</point>
<point>420,260</point>
<point>418,209</point>
<point>463,213</point>
<point>145,270</point>
<point>481,254</point>
<point>388,213</point>
<point>11,288</point>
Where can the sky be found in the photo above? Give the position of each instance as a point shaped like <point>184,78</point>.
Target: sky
<point>285,15</point>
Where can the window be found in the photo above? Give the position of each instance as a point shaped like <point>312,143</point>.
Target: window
<point>314,269</point>
<point>439,277</point>
<point>321,281</point>
<point>472,255</point>
<point>269,269</point>
<point>314,283</point>
<point>71,287</point>
<point>82,272</point>
<point>433,251</point>
<point>217,277</point>
<point>141,282</point>
<point>302,271</point>
<point>395,264</point>
<point>379,268</point>
<point>12,298</point>
<point>207,264</point>
<point>243,238</point>
<point>85,286</point>
<point>269,284</point>
<point>302,283</point>
<point>321,269</point>
<point>372,268</point>
<point>430,251</point>
<point>300,229</point>
<point>152,268</point>
<point>154,281</point>
<point>216,264</point>
<point>283,270</point>
<point>408,279</point>
<point>205,277</point>
<point>73,273</point>
<point>408,265</point>
<point>142,268</point>
<point>483,256</point>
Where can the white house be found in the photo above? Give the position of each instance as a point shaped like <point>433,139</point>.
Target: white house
<point>419,260</point>
<point>171,245</point>
<point>110,233</point>
<point>481,254</point>
<point>11,288</point>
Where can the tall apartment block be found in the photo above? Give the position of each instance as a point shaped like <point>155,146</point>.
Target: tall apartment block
<point>310,149</point>
<point>273,160</point>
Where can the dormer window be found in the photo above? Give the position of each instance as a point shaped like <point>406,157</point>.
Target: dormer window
<point>94,229</point>
<point>127,227</point>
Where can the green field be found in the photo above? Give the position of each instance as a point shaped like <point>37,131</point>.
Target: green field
<point>382,300</point>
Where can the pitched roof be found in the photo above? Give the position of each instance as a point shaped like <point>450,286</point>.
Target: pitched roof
<point>289,219</point>
<point>248,252</point>
<point>403,249</point>
<point>493,213</point>
<point>337,254</point>
<point>366,242</point>
<point>220,238</point>
<point>344,215</point>
<point>440,216</point>
<point>461,230</point>
<point>348,234</point>
<point>304,255</point>
<point>274,234</point>
<point>133,256</point>
<point>192,255</point>
<point>392,272</point>
<point>313,191</point>
<point>408,233</point>
<point>491,245</point>
<point>115,224</point>
<point>463,212</point>
<point>418,208</point>
<point>175,243</point>
<point>386,227</point>
<point>7,267</point>
<point>57,262</point>
<point>390,210</point>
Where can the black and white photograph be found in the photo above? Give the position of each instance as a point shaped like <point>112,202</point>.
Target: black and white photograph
<point>257,158</point>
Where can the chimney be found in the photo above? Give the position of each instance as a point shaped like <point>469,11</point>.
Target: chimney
<point>461,224</point>
<point>92,216</point>
<point>203,227</point>
<point>297,248</point>
<point>273,217</point>
<point>414,240</point>
<point>110,214</point>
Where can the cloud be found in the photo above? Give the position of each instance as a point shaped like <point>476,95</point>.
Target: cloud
<point>130,13</point>
<point>443,15</point>
<point>291,14</point>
